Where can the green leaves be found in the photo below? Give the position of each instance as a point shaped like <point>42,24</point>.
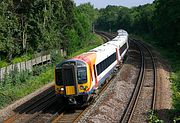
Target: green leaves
<point>8,31</point>
<point>41,25</point>
<point>167,22</point>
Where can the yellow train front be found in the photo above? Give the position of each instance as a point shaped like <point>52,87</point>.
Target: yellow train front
<point>73,81</point>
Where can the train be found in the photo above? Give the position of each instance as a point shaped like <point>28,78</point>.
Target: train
<point>78,78</point>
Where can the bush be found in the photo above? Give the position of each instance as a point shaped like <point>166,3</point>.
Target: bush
<point>24,76</point>
<point>3,64</point>
<point>37,70</point>
<point>153,118</point>
<point>21,59</point>
<point>4,99</point>
<point>56,56</point>
<point>6,80</point>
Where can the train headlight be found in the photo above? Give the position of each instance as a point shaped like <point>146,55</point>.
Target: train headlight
<point>81,87</point>
<point>62,89</point>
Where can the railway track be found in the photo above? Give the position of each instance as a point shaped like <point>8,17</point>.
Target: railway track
<point>74,114</point>
<point>106,36</point>
<point>140,103</point>
<point>28,111</point>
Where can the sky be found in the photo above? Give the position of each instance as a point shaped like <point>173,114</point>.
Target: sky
<point>104,3</point>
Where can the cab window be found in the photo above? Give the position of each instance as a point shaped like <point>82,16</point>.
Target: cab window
<point>81,72</point>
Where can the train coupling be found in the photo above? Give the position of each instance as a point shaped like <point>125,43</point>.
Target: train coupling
<point>72,101</point>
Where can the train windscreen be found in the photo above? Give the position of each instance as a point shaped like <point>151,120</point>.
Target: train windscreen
<point>58,74</point>
<point>82,72</point>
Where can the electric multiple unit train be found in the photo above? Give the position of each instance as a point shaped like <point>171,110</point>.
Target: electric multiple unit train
<point>78,78</point>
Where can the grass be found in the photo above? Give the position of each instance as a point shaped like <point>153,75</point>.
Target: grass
<point>173,57</point>
<point>22,58</point>
<point>19,85</point>
<point>3,64</point>
<point>13,91</point>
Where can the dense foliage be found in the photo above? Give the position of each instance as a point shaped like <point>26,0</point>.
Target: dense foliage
<point>161,19</point>
<point>42,25</point>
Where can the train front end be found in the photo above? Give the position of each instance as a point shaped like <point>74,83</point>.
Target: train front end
<point>72,81</point>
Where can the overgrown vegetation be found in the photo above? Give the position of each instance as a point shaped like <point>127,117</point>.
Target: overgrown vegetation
<point>153,118</point>
<point>22,58</point>
<point>19,84</point>
<point>3,64</point>
<point>94,42</point>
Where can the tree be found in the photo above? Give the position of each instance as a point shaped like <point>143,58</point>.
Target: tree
<point>167,22</point>
<point>8,30</point>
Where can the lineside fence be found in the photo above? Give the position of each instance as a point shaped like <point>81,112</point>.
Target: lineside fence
<point>27,65</point>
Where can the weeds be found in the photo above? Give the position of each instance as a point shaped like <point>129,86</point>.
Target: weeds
<point>176,119</point>
<point>22,58</point>
<point>153,118</point>
<point>56,57</point>
<point>3,64</point>
<point>19,84</point>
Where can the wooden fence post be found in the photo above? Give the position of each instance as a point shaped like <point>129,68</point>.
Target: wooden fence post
<point>0,74</point>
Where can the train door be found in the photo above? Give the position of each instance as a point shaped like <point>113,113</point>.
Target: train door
<point>95,76</point>
<point>69,79</point>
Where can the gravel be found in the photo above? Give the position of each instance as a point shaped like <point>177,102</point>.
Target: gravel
<point>111,105</point>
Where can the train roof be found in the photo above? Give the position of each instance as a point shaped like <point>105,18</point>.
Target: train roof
<point>117,43</point>
<point>87,56</point>
<point>122,32</point>
<point>120,39</point>
<point>103,47</point>
<point>103,51</point>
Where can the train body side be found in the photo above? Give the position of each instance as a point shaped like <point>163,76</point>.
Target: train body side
<point>77,78</point>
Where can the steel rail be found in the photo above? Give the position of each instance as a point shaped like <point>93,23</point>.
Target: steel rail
<point>127,116</point>
<point>41,109</point>
<point>133,101</point>
<point>79,113</point>
<point>155,77</point>
<point>106,38</point>
<point>30,107</point>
